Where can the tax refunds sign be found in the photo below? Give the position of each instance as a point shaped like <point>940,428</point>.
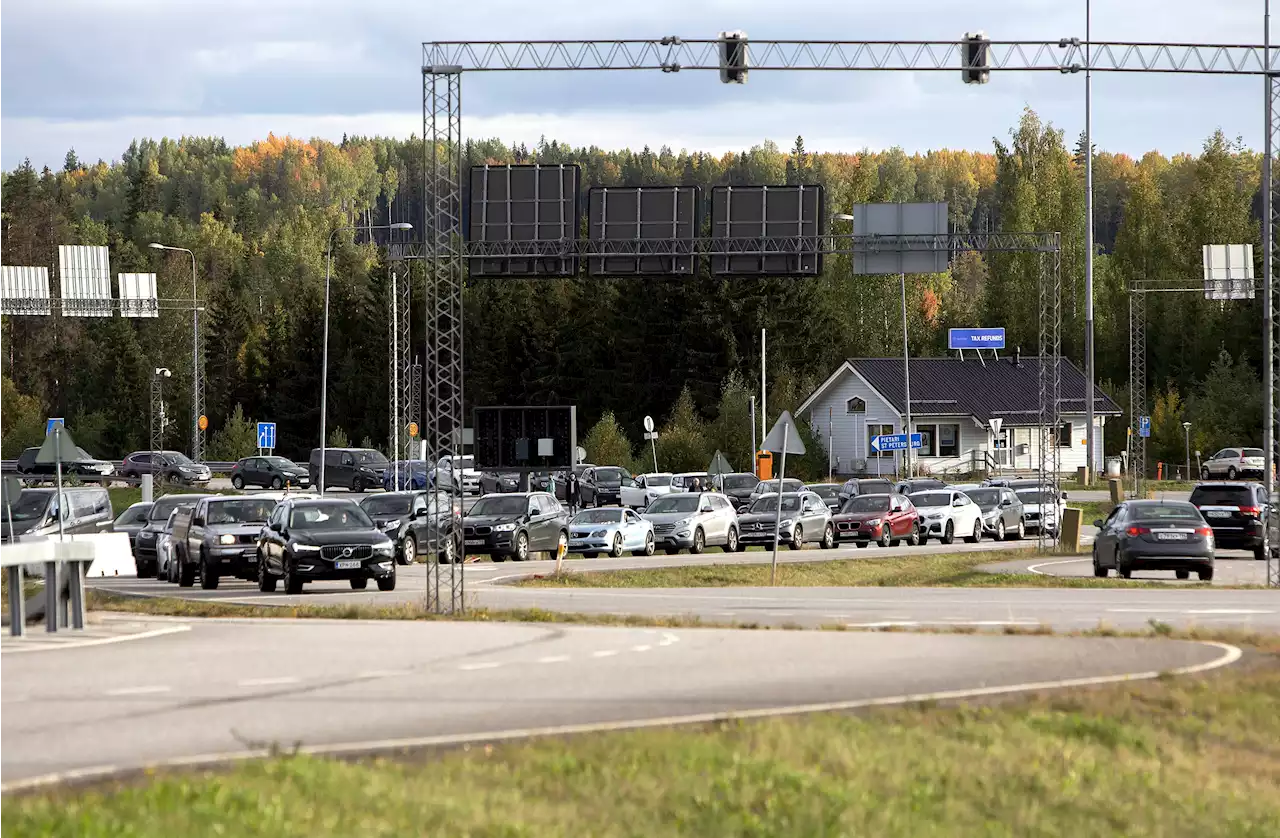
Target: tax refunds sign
<point>975,338</point>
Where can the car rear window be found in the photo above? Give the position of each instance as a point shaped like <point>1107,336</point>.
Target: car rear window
<point>1154,511</point>
<point>1222,496</point>
<point>874,487</point>
<point>1253,452</point>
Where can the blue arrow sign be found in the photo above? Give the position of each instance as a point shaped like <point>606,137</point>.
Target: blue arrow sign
<point>975,339</point>
<point>267,435</point>
<point>895,442</point>
<point>1144,426</point>
<point>51,422</point>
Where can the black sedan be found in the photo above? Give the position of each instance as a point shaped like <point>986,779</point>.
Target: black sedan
<point>307,540</point>
<point>1154,535</point>
<point>268,472</point>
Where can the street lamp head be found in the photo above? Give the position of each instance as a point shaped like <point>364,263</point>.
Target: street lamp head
<point>402,225</point>
<point>1186,426</point>
<point>157,246</point>
<point>164,371</point>
<point>842,216</point>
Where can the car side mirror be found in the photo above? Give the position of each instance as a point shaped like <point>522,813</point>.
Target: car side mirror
<point>957,502</point>
<point>1064,496</point>
<point>1098,523</point>
<point>707,508</point>
<point>535,512</point>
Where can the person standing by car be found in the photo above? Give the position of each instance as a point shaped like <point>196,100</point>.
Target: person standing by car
<point>571,491</point>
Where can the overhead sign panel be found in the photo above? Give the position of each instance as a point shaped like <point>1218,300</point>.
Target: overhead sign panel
<point>525,438</point>
<point>138,295</point>
<point>911,244</point>
<point>975,338</point>
<point>767,230</point>
<point>85,274</point>
<point>24,290</point>
<point>650,228</point>
<point>523,220</point>
<point>1228,272</point>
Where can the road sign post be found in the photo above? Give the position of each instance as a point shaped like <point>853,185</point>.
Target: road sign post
<point>780,439</point>
<point>651,435</point>
<point>266,436</point>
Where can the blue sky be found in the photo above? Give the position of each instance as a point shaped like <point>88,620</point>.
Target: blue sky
<point>119,69</point>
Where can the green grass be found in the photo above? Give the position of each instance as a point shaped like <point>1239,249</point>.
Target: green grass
<point>926,570</point>
<point>1092,510</point>
<point>1175,756</point>
<point>1158,485</point>
<point>122,497</point>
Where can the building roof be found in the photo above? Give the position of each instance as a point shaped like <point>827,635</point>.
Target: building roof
<point>953,386</point>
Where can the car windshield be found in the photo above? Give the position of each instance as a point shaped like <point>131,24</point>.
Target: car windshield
<point>508,505</point>
<point>684,503</point>
<point>610,475</point>
<point>1222,496</point>
<point>739,481</point>
<point>280,462</point>
<point>371,458</point>
<point>1036,496</point>
<point>598,516</point>
<point>926,499</point>
<point>463,463</point>
<point>178,458</point>
<point>770,504</point>
<point>329,516</point>
<point>160,509</point>
<point>867,503</point>
<point>984,497</point>
<point>1158,512</point>
<point>133,515</point>
<point>1253,452</point>
<point>772,486</point>
<point>658,480</point>
<point>387,504</point>
<point>30,506</point>
<point>825,492</point>
<point>246,511</point>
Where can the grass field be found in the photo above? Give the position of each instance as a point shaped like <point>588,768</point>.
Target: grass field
<point>925,570</point>
<point>1172,757</point>
<point>1093,510</point>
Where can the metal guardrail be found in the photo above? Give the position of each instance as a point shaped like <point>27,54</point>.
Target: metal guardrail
<point>65,565</point>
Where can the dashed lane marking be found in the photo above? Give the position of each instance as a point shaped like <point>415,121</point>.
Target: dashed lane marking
<point>150,690</point>
<point>472,667</point>
<point>267,682</point>
<point>554,659</point>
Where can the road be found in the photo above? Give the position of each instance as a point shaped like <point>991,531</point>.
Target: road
<point>228,687</point>
<point>1232,568</point>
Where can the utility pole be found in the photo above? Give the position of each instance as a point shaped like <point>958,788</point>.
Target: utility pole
<point>1090,372</point>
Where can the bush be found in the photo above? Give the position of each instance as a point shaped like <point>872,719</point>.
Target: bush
<point>238,438</point>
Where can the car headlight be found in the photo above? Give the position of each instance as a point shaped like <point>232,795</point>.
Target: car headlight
<point>384,549</point>
<point>504,528</point>
<point>599,533</point>
<point>227,539</point>
<point>384,565</point>
<point>391,525</point>
<point>874,522</point>
<point>306,548</point>
<point>787,523</point>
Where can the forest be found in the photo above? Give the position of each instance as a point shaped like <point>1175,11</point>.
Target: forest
<point>258,219</point>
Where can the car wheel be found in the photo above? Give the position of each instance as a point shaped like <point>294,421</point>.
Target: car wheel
<point>266,582</point>
<point>1021,532</point>
<point>1098,570</point>
<point>797,538</point>
<point>886,535</point>
<point>277,483</point>
<point>292,584</point>
<point>388,582</point>
<point>1001,535</point>
<point>208,573</point>
<point>731,543</point>
<point>949,533</point>
<point>1260,552</point>
<point>648,546</point>
<point>522,547</point>
<point>357,484</point>
<point>1206,575</point>
<point>1231,472</point>
<point>829,537</point>
<point>408,550</point>
<point>699,542</point>
<point>913,539</point>
<point>170,573</point>
<point>162,570</point>
<point>977,532</point>
<point>1182,574</point>
<point>1125,571</point>
<point>359,584</point>
<point>1204,472</point>
<point>616,552</point>
<point>237,481</point>
<point>186,572</point>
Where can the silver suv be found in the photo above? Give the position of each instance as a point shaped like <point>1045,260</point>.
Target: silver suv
<point>693,521</point>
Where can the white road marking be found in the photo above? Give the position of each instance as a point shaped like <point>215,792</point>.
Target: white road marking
<point>267,682</point>
<point>99,641</point>
<point>553,659</point>
<point>641,648</point>
<point>668,638</point>
<point>604,653</point>
<point>153,690</point>
<point>1189,611</point>
<point>1035,568</point>
<point>1228,611</point>
<point>472,667</point>
<point>383,673</point>
<point>974,623</point>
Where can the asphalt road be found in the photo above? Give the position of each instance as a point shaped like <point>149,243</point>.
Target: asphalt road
<point>243,686</point>
<point>1231,568</point>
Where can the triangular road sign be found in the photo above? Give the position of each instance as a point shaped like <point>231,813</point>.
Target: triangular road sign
<point>58,446</point>
<point>773,442</point>
<point>719,465</point>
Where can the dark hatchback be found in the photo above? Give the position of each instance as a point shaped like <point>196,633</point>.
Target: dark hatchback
<point>1239,514</point>
<point>1154,535</point>
<point>268,472</point>
<point>308,540</point>
<point>515,525</point>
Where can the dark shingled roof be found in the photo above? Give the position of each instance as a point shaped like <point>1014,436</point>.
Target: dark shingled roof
<point>969,388</point>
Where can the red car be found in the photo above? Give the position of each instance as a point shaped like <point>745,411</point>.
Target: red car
<point>885,519</point>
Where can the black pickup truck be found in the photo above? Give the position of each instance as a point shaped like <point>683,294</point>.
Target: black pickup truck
<point>218,537</point>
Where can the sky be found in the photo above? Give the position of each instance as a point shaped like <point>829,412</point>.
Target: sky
<point>123,69</point>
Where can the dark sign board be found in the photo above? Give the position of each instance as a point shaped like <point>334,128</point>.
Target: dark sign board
<point>525,438</point>
<point>767,230</point>
<point>523,220</point>
<point>647,227</point>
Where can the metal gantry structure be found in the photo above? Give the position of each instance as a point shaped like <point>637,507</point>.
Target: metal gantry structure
<point>444,250</point>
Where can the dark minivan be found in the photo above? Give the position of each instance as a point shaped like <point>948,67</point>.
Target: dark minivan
<point>356,469</point>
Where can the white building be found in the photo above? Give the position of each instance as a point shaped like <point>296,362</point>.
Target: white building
<point>953,401</point>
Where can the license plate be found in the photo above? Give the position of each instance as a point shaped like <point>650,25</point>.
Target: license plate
<point>475,542</point>
<point>1218,513</point>
<point>347,564</point>
<point>1171,536</point>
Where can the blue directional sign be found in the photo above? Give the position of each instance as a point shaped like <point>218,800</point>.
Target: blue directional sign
<point>975,338</point>
<point>1144,426</point>
<point>51,421</point>
<point>267,435</point>
<point>895,442</point>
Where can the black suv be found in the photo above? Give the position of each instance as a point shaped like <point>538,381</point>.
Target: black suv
<point>311,539</point>
<point>516,525</point>
<point>356,469</point>
<point>420,523</point>
<point>86,465</point>
<point>738,488</point>
<point>1239,514</point>
<point>269,472</point>
<point>857,486</point>
<point>602,486</point>
<point>144,546</point>
<point>218,537</point>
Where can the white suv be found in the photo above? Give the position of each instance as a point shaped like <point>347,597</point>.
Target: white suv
<point>946,513</point>
<point>1232,463</point>
<point>693,521</point>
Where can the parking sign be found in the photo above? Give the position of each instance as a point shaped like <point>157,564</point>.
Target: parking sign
<point>1144,426</point>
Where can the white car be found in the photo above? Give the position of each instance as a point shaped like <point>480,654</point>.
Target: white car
<point>655,484</point>
<point>610,530</point>
<point>1233,463</point>
<point>166,566</point>
<point>1038,514</point>
<point>947,513</point>
<point>467,466</point>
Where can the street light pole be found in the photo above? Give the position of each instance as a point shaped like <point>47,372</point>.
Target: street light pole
<point>1186,428</point>
<point>1090,371</point>
<point>906,377</point>
<point>324,363</point>
<point>197,374</point>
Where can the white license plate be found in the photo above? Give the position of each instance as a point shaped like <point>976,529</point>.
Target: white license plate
<point>1171,536</point>
<point>1218,513</point>
<point>346,564</point>
<point>475,542</point>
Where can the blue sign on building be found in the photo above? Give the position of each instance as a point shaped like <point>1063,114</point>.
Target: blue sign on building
<point>895,442</point>
<point>975,338</point>
<point>1144,426</point>
<point>267,435</point>
<point>50,422</point>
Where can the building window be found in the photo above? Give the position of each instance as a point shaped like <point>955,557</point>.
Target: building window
<point>855,405</point>
<point>874,431</point>
<point>1064,435</point>
<point>948,440</point>
<point>928,440</point>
